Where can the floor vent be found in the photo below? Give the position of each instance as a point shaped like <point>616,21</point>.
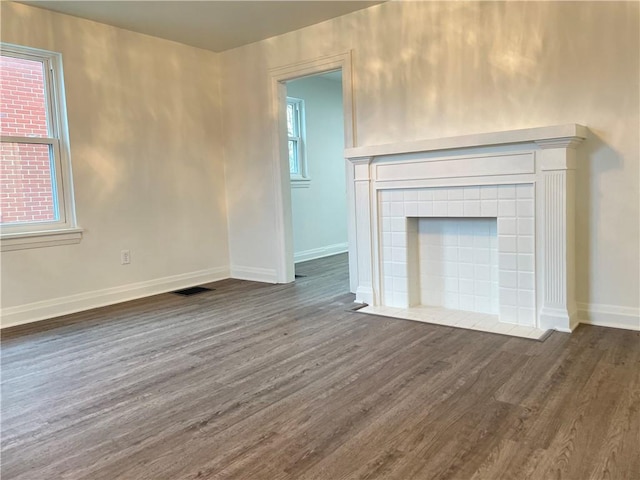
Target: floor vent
<point>187,292</point>
<point>300,276</point>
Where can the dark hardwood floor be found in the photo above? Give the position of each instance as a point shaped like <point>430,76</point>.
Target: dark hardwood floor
<point>255,381</point>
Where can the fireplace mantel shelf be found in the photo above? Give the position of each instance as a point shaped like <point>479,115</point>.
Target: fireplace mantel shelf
<point>526,135</point>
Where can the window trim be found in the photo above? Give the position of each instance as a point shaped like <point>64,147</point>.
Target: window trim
<point>65,230</point>
<point>301,179</point>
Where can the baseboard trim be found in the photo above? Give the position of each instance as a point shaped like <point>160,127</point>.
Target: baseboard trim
<point>314,253</point>
<point>254,274</point>
<point>612,316</point>
<point>46,309</point>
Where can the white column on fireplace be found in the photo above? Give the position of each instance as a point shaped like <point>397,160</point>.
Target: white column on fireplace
<point>523,179</point>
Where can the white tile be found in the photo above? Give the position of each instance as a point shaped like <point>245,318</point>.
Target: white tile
<point>401,299</point>
<point>526,316</point>
<point>501,328</point>
<point>398,239</point>
<point>432,298</point>
<point>398,224</point>
<point>455,208</point>
<point>450,269</point>
<point>386,253</point>
<point>455,193</point>
<point>526,280</point>
<point>386,239</point>
<point>508,314</point>
<point>522,331</point>
<point>507,244</point>
<point>506,208</point>
<point>397,195</point>
<point>525,244</point>
<point>451,300</point>
<point>489,191</point>
<point>526,262</point>
<point>482,289</point>
<point>440,208</point>
<point>450,254</point>
<point>440,194</point>
<point>471,193</point>
<point>525,190</point>
<point>489,208</point>
<point>399,269</point>
<point>451,285</point>
<point>482,272</point>
<point>507,226</point>
<point>397,209</point>
<point>398,254</point>
<point>425,209</point>
<point>399,285</point>
<point>465,241</point>
<point>425,194</point>
<point>506,191</point>
<point>481,241</point>
<point>433,268</point>
<point>466,286</point>
<point>465,254</point>
<point>471,208</point>
<point>482,256</point>
<point>386,209</point>
<point>410,195</point>
<point>526,208</point>
<point>466,271</point>
<point>508,297</point>
<point>526,298</point>
<point>508,279</point>
<point>467,302</point>
<point>386,224</point>
<point>411,209</point>
<point>526,226</point>
<point>508,261</point>
<point>484,305</point>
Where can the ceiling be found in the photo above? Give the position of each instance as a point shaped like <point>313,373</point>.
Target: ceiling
<point>212,25</point>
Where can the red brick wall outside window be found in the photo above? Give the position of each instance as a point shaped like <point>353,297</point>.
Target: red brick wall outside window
<point>26,191</point>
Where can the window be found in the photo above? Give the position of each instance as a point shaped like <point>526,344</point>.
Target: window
<point>36,198</point>
<point>295,132</point>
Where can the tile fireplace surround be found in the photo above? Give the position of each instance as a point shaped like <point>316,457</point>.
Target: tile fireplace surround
<point>475,231</point>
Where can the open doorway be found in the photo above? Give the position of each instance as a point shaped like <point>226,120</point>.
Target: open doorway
<point>280,76</point>
<point>315,131</point>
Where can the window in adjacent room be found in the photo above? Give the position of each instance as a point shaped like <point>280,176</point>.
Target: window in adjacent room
<point>296,147</point>
<point>36,197</point>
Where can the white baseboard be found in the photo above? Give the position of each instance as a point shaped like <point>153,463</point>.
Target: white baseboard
<point>320,252</point>
<point>254,274</point>
<point>609,316</point>
<point>33,312</point>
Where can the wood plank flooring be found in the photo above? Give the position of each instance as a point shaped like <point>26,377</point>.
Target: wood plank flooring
<point>255,381</point>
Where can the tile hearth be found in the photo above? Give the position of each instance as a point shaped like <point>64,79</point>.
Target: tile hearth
<point>458,319</point>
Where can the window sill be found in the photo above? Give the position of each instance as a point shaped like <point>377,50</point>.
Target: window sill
<point>52,238</point>
<point>300,182</point>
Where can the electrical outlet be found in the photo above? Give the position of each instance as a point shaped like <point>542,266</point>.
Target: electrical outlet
<point>125,257</point>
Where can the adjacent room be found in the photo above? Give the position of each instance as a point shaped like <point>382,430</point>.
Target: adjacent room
<point>320,240</point>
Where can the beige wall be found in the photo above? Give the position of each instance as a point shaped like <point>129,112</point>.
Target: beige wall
<point>430,69</point>
<point>145,126</point>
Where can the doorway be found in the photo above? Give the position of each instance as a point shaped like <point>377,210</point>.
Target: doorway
<point>315,147</point>
<point>280,76</point>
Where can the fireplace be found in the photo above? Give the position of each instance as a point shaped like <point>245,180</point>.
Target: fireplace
<point>477,229</point>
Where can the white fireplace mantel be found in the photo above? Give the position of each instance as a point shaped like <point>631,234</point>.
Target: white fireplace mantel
<point>541,160</point>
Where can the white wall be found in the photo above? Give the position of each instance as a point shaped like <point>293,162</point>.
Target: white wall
<point>433,69</point>
<point>320,211</point>
<point>145,126</point>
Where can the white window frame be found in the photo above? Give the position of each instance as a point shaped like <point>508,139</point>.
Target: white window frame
<point>21,235</point>
<point>301,179</point>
